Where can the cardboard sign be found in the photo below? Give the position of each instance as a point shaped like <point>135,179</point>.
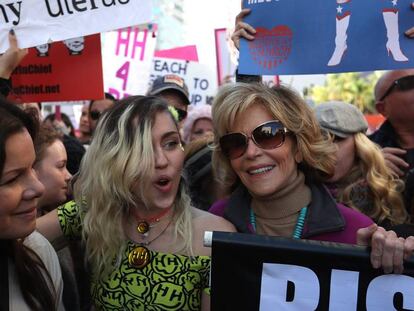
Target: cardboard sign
<point>226,64</point>
<point>253,272</point>
<point>200,79</point>
<point>321,36</point>
<point>60,71</point>
<point>128,56</point>
<point>38,22</point>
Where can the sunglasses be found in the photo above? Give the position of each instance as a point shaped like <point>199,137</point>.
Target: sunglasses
<point>402,84</point>
<point>182,114</point>
<point>269,135</point>
<point>95,115</point>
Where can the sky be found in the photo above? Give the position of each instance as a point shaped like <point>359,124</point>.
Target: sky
<point>206,16</point>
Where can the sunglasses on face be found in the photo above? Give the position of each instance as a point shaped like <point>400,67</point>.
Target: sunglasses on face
<point>95,114</point>
<point>182,114</point>
<point>402,84</point>
<point>269,135</point>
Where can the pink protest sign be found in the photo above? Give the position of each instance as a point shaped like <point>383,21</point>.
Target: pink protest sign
<point>127,58</point>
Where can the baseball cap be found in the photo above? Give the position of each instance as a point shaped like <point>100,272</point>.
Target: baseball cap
<point>341,119</point>
<point>170,82</point>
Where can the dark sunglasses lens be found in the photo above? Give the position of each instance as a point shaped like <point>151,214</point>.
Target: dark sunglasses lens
<point>95,115</point>
<point>182,114</point>
<point>233,145</point>
<point>405,83</point>
<point>269,135</point>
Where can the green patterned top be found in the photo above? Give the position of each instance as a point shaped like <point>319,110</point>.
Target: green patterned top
<point>168,282</point>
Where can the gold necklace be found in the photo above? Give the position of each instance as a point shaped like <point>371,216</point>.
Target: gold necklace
<point>145,224</point>
<point>140,256</point>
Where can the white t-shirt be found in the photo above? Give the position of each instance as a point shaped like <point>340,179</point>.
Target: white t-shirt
<point>48,255</point>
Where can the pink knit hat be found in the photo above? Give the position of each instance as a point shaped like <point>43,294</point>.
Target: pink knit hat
<point>194,114</point>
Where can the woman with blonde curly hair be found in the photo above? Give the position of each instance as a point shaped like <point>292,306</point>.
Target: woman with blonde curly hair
<point>361,179</point>
<point>273,160</point>
<point>144,242</point>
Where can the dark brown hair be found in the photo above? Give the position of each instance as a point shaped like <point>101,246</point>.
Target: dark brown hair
<point>46,137</point>
<point>34,280</point>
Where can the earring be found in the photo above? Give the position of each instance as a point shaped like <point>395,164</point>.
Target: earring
<point>181,146</point>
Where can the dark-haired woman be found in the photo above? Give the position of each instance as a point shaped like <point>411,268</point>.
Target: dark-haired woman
<point>30,277</point>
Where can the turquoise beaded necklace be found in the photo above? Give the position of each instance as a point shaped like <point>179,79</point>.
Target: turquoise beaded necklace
<point>297,233</point>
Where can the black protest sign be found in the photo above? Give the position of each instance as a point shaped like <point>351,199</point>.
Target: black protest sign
<point>252,272</point>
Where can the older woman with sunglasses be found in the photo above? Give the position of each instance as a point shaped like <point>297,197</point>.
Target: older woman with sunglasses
<point>272,159</point>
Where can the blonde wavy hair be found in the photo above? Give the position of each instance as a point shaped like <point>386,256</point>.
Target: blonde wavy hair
<point>384,187</point>
<point>285,105</point>
<point>121,153</point>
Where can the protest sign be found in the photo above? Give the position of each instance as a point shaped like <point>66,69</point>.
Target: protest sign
<point>226,58</point>
<point>321,36</point>
<point>188,52</point>
<point>226,64</point>
<point>60,71</point>
<point>200,79</point>
<point>127,59</point>
<point>253,272</point>
<point>38,22</point>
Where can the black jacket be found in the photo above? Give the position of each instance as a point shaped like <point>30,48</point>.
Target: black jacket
<point>386,136</point>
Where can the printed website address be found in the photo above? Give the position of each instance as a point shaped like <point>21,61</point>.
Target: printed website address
<point>36,89</point>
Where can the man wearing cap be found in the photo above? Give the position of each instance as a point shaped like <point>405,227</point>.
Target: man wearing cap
<point>394,99</point>
<point>173,89</point>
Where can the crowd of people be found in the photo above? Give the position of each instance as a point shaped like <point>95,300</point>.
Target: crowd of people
<point>113,217</point>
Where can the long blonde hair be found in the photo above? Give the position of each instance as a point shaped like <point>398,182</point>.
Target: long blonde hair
<point>284,105</point>
<point>121,153</point>
<point>384,187</point>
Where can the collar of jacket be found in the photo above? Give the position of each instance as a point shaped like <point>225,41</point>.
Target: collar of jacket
<point>385,136</point>
<point>323,214</point>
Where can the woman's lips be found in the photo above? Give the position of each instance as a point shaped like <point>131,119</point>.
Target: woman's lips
<point>28,213</point>
<point>163,184</point>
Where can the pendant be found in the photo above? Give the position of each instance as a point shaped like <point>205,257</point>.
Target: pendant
<point>139,257</point>
<point>143,227</point>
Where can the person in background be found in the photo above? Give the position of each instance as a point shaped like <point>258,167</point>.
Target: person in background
<point>134,214</point>
<point>30,277</point>
<point>272,160</point>
<point>84,128</point>
<point>198,173</point>
<point>361,179</point>
<point>50,166</point>
<point>96,108</point>
<point>63,126</point>
<point>34,108</point>
<point>198,123</point>
<point>73,146</point>
<point>394,99</point>
<point>173,89</point>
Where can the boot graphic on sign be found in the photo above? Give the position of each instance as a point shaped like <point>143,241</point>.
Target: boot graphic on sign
<point>343,15</point>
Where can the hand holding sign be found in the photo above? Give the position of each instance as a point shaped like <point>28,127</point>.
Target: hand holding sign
<point>388,250</point>
<point>410,32</point>
<point>242,29</point>
<point>276,51</point>
<point>12,57</point>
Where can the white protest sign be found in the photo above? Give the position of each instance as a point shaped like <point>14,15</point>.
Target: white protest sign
<point>38,22</point>
<point>343,290</point>
<point>127,60</point>
<point>200,79</point>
